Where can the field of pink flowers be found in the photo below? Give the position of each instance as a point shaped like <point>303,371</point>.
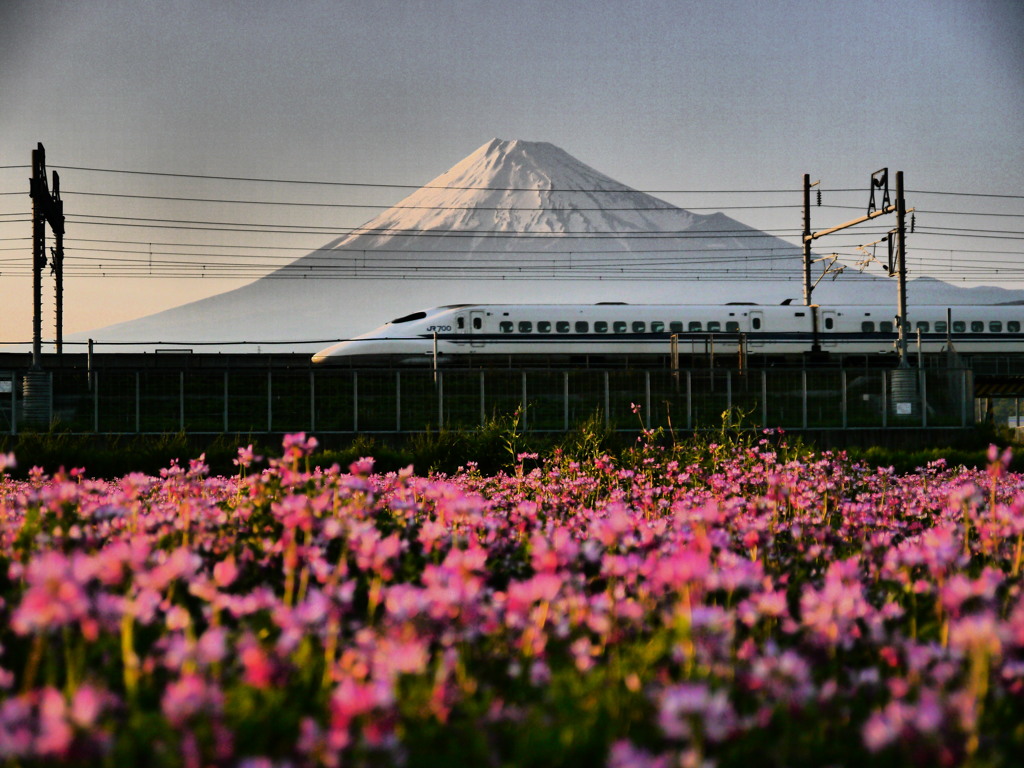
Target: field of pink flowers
<point>750,606</point>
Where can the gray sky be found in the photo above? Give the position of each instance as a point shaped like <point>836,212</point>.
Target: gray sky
<point>700,96</point>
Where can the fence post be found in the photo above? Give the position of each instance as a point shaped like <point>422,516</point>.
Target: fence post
<point>525,409</point>
<point>440,400</point>
<point>647,395</point>
<point>14,402</point>
<point>924,395</point>
<point>689,399</point>
<point>226,391</point>
<point>95,401</point>
<point>565,401</point>
<point>764,397</point>
<point>844,405</point>
<point>963,398</point>
<point>803,396</point>
<point>885,401</point>
<point>728,391</point>
<point>607,401</point>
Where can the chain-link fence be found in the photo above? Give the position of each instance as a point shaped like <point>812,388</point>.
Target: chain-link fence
<point>328,400</point>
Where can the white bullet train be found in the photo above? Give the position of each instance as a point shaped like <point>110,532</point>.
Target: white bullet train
<point>464,331</point>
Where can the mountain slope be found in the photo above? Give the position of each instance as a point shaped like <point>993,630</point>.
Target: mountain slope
<point>515,221</point>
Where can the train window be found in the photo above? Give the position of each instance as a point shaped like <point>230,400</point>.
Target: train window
<point>582,326</point>
<point>562,326</point>
<point>505,326</point>
<point>1013,326</point>
<point>923,326</point>
<point>830,323</point>
<point>995,326</point>
<point>694,326</point>
<point>409,318</point>
<point>714,325</point>
<point>525,326</point>
<point>543,326</point>
<point>639,326</point>
<point>885,326</point>
<point>959,326</point>
<point>600,326</point>
<point>460,323</point>
<point>868,326</point>
<point>732,326</point>
<point>940,326</point>
<point>755,323</point>
<point>619,326</point>
<point>657,326</point>
<point>478,323</point>
<point>676,326</point>
<point>977,326</point>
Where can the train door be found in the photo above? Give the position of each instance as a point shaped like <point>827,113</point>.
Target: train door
<point>755,337</point>
<point>828,327</point>
<point>476,327</point>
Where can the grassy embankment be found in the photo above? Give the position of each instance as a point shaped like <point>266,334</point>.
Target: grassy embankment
<point>492,447</point>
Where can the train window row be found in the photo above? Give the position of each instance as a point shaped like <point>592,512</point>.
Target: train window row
<point>617,326</point>
<point>959,326</point>
<point>731,326</point>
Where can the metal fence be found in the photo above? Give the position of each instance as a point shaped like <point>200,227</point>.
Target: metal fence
<point>121,401</point>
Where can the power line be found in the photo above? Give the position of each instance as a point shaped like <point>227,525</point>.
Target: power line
<point>398,207</point>
<point>382,185</point>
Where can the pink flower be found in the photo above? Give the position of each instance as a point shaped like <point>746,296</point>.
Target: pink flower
<point>190,696</point>
<point>258,668</point>
<point>54,597</point>
<point>363,466</point>
<point>688,706</point>
<point>977,633</point>
<point>225,572</point>
<point>212,646</point>
<point>624,755</point>
<point>351,699</point>
<point>87,704</point>
<point>246,457</point>
<point>55,733</point>
<point>297,445</point>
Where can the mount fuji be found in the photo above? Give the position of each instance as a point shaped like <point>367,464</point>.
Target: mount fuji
<point>515,221</point>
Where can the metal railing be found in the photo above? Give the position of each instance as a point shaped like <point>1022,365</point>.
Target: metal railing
<point>139,401</point>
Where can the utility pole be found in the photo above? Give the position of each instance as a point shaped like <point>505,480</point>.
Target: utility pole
<point>901,271</point>
<point>879,180</point>
<point>47,208</point>
<point>808,285</point>
<point>807,240</point>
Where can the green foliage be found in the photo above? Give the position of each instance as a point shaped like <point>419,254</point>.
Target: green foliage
<point>492,447</point>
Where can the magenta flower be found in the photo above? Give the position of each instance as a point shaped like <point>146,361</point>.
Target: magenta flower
<point>55,597</point>
<point>687,710</point>
<point>190,697</point>
<point>246,457</point>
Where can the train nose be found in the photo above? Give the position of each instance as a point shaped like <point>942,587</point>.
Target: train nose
<point>341,349</point>
<point>371,346</point>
